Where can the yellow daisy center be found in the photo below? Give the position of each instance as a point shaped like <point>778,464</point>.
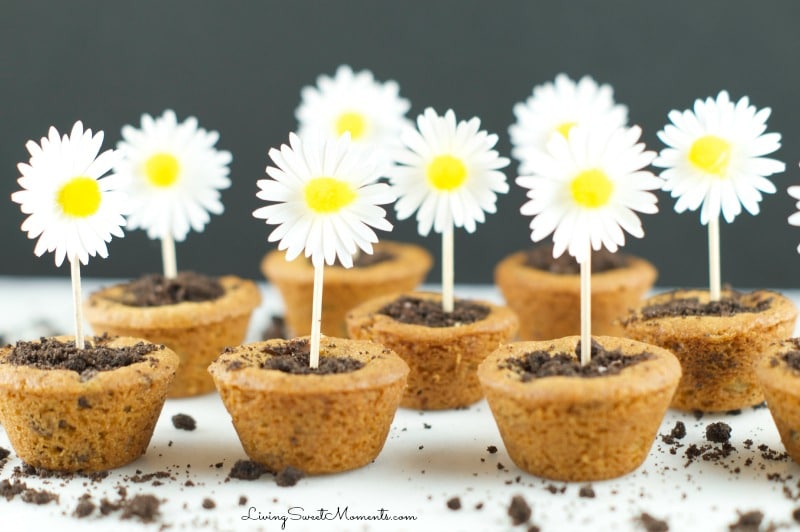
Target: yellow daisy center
<point>79,197</point>
<point>353,122</point>
<point>162,169</point>
<point>326,195</point>
<point>565,128</point>
<point>447,173</point>
<point>711,154</point>
<point>591,188</point>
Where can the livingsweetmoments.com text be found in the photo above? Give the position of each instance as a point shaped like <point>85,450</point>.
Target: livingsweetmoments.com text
<point>298,513</point>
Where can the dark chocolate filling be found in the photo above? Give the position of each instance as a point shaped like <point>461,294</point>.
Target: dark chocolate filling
<point>540,364</point>
<point>294,357</point>
<point>416,311</point>
<point>691,306</point>
<point>155,290</point>
<point>541,258</point>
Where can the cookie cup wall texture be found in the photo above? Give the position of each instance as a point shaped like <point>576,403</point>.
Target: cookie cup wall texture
<point>574,428</point>
<point>443,360</point>
<point>316,423</point>
<point>196,331</point>
<point>781,386</point>
<point>718,354</point>
<point>548,304</point>
<point>57,421</point>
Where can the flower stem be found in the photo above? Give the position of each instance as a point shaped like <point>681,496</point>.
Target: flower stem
<point>168,256</point>
<point>75,274</point>
<point>714,276</point>
<point>586,308</point>
<point>316,316</point>
<point>447,270</point>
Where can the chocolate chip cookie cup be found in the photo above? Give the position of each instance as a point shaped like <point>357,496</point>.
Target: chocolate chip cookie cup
<point>576,426</point>
<point>71,410</point>
<point>779,375</point>
<point>196,330</point>
<point>545,292</point>
<point>719,344</point>
<point>331,419</point>
<point>443,356</point>
<point>393,267</point>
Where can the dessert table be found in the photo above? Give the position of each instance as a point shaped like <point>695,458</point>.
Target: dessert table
<point>444,470</point>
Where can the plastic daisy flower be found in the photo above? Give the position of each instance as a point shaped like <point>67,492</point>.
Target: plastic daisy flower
<point>448,173</point>
<point>587,189</point>
<point>354,102</point>
<point>326,199</point>
<point>72,209</point>
<point>173,174</point>
<point>556,107</point>
<point>794,219</point>
<point>715,157</point>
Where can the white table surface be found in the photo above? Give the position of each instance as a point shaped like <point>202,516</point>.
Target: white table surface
<point>428,458</point>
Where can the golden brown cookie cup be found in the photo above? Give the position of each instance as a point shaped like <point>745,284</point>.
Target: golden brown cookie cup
<point>578,429</point>
<point>781,386</point>
<point>548,304</point>
<point>718,354</point>
<point>315,423</point>
<point>196,331</point>
<point>344,288</point>
<point>59,422</point>
<point>443,360</point>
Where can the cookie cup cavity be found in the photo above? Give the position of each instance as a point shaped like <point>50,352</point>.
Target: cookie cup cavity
<point>781,386</point>
<point>57,421</point>
<point>316,423</point>
<point>718,354</point>
<point>443,360</point>
<point>344,288</point>
<point>578,428</point>
<point>196,331</point>
<point>548,304</point>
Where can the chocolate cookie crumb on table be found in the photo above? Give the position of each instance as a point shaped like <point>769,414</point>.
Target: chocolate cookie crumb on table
<point>747,522</point>
<point>454,503</point>
<point>518,510</point>
<point>652,524</point>
<point>184,422</point>
<point>718,432</point>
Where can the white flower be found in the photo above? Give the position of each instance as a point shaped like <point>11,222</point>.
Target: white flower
<point>586,188</point>
<point>372,112</point>
<point>326,199</point>
<point>71,208</point>
<point>556,107</point>
<point>448,173</point>
<point>794,219</point>
<point>173,174</point>
<point>715,157</point>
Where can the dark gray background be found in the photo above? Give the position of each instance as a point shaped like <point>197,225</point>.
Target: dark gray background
<point>239,67</point>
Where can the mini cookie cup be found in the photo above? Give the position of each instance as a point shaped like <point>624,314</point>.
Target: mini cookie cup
<point>781,386</point>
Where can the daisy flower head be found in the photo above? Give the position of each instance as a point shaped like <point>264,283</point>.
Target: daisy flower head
<point>447,172</point>
<point>556,107</point>
<point>794,219</point>
<point>354,102</point>
<point>173,174</point>
<point>326,199</point>
<point>72,209</point>
<point>587,188</point>
<point>714,157</point>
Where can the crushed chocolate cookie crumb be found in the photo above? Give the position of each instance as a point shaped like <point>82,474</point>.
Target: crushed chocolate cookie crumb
<point>85,507</point>
<point>242,500</point>
<point>718,432</point>
<point>540,364</point>
<point>183,422</point>
<point>416,311</point>
<point>454,503</point>
<point>293,357</point>
<point>651,524</point>
<point>9,489</point>
<point>155,290</point>
<point>541,258</point>
<point>691,306</point>
<point>288,476</point>
<point>518,510</point>
<point>247,470</point>
<point>209,504</point>
<point>792,359</point>
<point>4,453</point>
<point>144,507</point>
<point>492,449</point>
<point>586,492</point>
<point>747,522</point>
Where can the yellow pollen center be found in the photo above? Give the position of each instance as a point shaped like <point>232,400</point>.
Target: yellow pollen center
<point>565,128</point>
<point>711,154</point>
<point>79,197</point>
<point>447,173</point>
<point>353,122</point>
<point>162,169</point>
<point>327,195</point>
<point>591,188</point>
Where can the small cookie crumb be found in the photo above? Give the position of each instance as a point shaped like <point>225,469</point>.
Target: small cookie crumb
<point>183,422</point>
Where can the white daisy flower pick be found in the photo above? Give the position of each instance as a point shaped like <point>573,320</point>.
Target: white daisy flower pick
<point>326,204</point>
<point>355,102</point>
<point>173,175</point>
<point>714,161</point>
<point>585,191</point>
<point>556,107</point>
<point>72,209</point>
<point>449,174</point>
